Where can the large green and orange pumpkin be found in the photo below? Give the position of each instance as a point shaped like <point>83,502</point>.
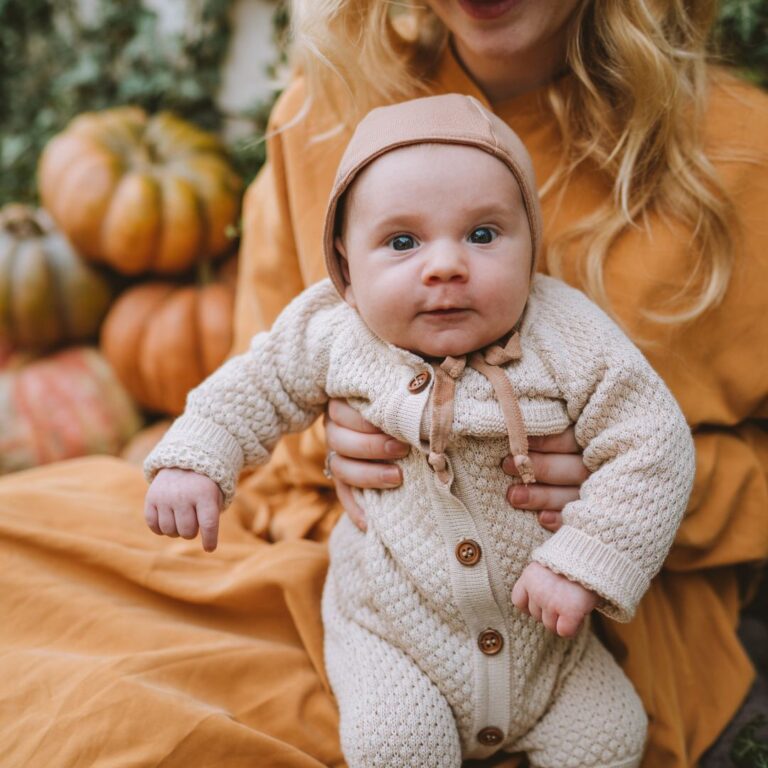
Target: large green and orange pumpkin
<point>141,194</point>
<point>62,406</point>
<point>164,339</point>
<point>48,294</point>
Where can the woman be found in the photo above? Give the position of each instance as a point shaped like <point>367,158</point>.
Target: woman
<point>122,649</point>
<point>646,156</point>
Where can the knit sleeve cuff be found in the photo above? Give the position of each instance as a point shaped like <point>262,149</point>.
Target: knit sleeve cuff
<point>202,446</point>
<point>596,566</point>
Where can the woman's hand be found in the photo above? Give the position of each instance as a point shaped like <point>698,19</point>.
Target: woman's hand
<point>559,474</point>
<point>359,456</point>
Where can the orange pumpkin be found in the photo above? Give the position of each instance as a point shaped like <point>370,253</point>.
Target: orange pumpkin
<point>164,339</point>
<point>59,407</point>
<point>140,193</point>
<point>48,294</point>
<point>140,445</point>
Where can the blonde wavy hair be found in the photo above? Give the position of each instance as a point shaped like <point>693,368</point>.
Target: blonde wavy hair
<point>640,82</point>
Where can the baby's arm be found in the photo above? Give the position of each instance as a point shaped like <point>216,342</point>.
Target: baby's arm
<point>558,603</point>
<point>637,447</point>
<point>236,416</point>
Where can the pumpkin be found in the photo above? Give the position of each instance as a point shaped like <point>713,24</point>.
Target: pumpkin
<point>164,339</point>
<point>48,294</point>
<point>140,445</point>
<point>62,406</point>
<point>140,193</point>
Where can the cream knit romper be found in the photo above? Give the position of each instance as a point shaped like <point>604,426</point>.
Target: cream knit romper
<point>428,658</point>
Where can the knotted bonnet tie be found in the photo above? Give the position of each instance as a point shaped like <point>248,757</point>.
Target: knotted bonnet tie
<point>487,362</point>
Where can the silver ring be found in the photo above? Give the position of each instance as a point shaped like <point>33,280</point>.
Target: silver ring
<point>327,471</point>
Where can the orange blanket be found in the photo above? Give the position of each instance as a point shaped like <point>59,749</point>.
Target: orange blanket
<point>120,648</point>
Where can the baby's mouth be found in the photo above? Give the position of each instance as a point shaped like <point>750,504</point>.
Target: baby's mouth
<point>446,312</point>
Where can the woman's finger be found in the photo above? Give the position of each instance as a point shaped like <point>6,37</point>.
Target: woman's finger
<point>535,497</point>
<point>552,468</point>
<point>363,445</point>
<point>343,414</point>
<point>351,507</point>
<point>565,442</point>
<point>550,520</point>
<point>364,474</point>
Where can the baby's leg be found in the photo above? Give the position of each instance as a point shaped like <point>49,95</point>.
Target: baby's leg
<point>392,715</point>
<point>596,721</point>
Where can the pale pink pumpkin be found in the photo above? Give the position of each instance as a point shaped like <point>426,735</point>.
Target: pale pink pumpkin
<point>62,406</point>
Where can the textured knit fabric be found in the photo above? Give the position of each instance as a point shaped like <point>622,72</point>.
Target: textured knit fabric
<point>400,581</point>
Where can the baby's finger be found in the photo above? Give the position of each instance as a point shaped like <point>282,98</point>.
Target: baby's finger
<point>208,519</point>
<point>167,521</point>
<point>520,597</point>
<point>568,626</point>
<point>186,521</point>
<point>151,518</point>
<point>534,609</point>
<point>549,619</point>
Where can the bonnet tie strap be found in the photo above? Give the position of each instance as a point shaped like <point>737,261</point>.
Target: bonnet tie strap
<point>487,363</point>
<point>442,412</point>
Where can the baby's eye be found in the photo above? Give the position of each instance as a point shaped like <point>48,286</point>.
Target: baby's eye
<point>482,235</point>
<point>402,242</point>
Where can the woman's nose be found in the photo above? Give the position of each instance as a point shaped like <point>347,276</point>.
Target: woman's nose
<point>445,262</point>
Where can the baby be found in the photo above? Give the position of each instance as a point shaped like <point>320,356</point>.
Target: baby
<point>455,625</point>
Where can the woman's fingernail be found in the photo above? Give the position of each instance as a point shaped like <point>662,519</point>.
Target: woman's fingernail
<point>520,494</point>
<point>395,448</point>
<point>391,477</point>
<point>546,518</point>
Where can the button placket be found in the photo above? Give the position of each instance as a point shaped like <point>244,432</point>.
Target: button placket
<point>468,552</point>
<point>419,382</point>
<point>490,642</point>
<point>490,736</point>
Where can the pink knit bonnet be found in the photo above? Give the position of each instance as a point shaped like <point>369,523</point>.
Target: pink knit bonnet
<point>448,119</point>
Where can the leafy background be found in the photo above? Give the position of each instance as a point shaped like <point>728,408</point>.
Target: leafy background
<point>54,64</point>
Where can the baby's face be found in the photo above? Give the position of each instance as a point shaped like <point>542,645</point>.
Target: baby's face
<point>438,249</point>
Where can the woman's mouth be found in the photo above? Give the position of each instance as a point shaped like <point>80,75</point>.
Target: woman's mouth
<point>487,9</point>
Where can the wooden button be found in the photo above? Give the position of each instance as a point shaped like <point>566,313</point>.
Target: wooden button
<point>490,737</point>
<point>468,552</point>
<point>490,642</point>
<point>419,382</point>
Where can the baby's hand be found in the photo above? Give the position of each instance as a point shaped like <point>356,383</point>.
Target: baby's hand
<point>560,604</point>
<point>180,502</point>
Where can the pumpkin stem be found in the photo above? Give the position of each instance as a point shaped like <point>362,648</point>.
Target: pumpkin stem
<point>21,221</point>
<point>205,274</point>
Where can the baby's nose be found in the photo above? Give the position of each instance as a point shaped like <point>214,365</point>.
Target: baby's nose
<point>445,262</point>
